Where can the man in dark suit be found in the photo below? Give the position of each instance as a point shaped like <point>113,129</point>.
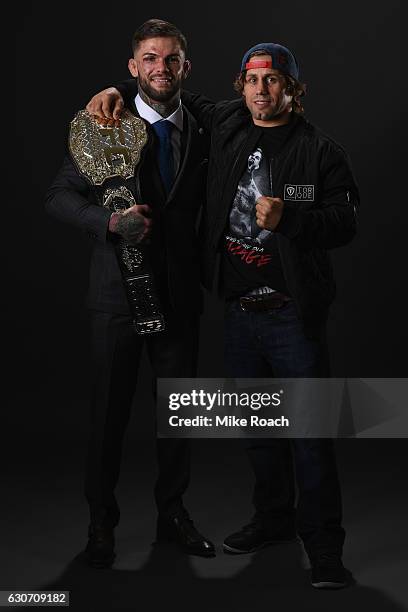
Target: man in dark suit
<point>170,180</point>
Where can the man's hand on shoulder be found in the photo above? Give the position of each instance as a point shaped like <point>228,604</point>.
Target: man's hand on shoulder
<point>268,212</point>
<point>106,106</point>
<point>133,225</point>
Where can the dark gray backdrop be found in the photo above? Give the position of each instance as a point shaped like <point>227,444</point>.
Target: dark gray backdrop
<point>351,57</point>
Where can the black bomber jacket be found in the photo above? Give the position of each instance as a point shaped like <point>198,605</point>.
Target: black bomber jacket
<point>311,174</point>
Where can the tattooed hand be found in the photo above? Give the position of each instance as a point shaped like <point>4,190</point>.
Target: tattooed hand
<point>134,224</point>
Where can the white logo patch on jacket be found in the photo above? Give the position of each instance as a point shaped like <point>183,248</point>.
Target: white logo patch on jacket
<point>299,193</point>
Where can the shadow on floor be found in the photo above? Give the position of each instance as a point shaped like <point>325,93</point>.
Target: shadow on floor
<point>274,577</point>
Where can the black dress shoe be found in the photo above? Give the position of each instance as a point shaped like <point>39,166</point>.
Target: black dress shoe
<point>254,536</point>
<point>100,548</point>
<point>181,531</point>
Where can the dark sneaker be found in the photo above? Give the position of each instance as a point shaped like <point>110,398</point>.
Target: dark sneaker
<point>253,537</point>
<point>328,572</point>
<point>100,548</point>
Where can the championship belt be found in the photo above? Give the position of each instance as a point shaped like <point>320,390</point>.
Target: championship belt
<point>111,154</point>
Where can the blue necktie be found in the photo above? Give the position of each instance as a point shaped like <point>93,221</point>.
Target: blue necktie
<point>163,130</point>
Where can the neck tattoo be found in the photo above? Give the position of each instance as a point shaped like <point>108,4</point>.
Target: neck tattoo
<point>165,109</point>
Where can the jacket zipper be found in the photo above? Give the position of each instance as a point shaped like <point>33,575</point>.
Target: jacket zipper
<point>271,176</point>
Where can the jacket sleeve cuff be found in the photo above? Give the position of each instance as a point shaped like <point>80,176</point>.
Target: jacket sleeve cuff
<point>290,221</point>
<point>98,223</point>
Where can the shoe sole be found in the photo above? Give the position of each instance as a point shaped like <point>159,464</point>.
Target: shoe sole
<point>236,551</point>
<point>173,542</point>
<point>329,585</point>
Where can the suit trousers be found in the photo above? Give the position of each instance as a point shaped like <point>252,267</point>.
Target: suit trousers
<point>273,343</point>
<point>116,351</point>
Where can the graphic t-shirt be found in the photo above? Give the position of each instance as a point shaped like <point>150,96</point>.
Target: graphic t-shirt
<point>251,256</point>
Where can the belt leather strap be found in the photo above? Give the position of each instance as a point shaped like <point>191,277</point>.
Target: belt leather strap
<point>262,303</point>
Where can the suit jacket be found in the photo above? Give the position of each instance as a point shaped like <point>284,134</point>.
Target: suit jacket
<point>174,247</point>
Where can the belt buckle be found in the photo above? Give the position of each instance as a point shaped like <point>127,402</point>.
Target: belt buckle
<point>273,301</point>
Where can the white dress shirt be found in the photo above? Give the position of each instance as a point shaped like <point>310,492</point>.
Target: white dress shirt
<point>151,116</point>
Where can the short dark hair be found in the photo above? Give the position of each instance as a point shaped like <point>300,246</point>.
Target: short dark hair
<point>293,87</point>
<point>158,28</point>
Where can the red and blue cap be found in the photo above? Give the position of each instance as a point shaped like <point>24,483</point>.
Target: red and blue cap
<point>282,59</point>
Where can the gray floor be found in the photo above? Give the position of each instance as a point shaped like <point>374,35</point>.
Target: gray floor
<point>46,517</point>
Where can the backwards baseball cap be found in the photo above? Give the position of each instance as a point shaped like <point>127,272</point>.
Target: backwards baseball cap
<point>282,59</point>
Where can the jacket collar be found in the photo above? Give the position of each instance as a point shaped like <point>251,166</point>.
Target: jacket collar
<point>185,148</point>
<point>189,137</point>
<point>151,116</point>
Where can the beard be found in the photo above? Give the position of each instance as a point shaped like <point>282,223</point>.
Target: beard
<point>275,110</point>
<point>159,96</point>
<point>267,114</point>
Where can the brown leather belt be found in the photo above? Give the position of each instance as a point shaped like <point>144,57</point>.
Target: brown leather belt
<point>261,303</point>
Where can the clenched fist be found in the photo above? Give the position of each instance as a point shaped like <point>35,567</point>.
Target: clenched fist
<point>268,212</point>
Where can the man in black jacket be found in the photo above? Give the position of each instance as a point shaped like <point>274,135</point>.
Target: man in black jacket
<point>170,180</point>
<point>280,194</point>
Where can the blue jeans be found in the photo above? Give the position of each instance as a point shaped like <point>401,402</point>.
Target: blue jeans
<point>273,343</point>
